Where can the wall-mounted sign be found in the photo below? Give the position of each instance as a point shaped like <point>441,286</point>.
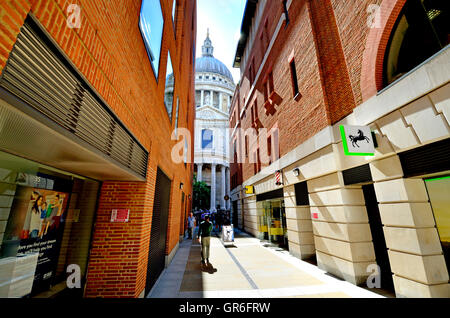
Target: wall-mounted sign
<point>249,190</point>
<point>357,140</point>
<point>120,215</point>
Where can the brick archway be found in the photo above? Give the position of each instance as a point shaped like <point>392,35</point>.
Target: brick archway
<point>377,41</point>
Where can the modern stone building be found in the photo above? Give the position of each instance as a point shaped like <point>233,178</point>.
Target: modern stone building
<point>310,67</point>
<point>214,88</point>
<point>87,179</point>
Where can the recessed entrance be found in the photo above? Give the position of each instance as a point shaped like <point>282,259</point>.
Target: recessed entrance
<point>379,242</point>
<point>158,235</point>
<point>273,222</point>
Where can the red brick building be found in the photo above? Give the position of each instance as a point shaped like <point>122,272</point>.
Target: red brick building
<point>308,67</point>
<point>92,111</point>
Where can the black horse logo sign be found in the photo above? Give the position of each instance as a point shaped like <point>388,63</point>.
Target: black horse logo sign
<point>359,137</point>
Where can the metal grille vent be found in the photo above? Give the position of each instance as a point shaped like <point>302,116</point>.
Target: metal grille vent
<point>40,75</point>
<point>427,159</point>
<point>356,175</point>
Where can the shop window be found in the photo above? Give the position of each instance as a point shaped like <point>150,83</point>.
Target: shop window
<point>421,30</point>
<point>170,84</point>
<point>151,24</point>
<point>207,139</point>
<point>438,191</point>
<point>46,220</point>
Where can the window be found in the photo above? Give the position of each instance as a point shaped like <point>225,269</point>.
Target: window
<point>151,24</point>
<point>269,92</point>
<point>207,98</point>
<point>225,99</point>
<point>266,96</point>
<point>246,146</point>
<point>37,242</point>
<point>257,162</point>
<point>421,30</point>
<point>174,13</point>
<point>286,13</point>
<point>174,9</point>
<point>170,84</point>
<point>295,90</point>
<point>269,149</point>
<point>252,71</point>
<point>216,100</point>
<point>254,111</point>
<point>207,139</point>
<point>271,87</point>
<point>176,116</point>
<point>198,98</point>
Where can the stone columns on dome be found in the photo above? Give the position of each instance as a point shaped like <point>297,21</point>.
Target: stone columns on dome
<point>223,188</point>
<point>199,172</point>
<point>228,203</point>
<point>213,187</point>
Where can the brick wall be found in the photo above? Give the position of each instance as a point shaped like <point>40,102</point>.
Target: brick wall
<point>109,51</point>
<point>339,59</point>
<point>297,120</point>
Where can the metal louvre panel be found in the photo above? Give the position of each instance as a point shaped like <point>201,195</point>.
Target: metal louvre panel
<point>356,175</point>
<point>42,77</point>
<point>431,158</point>
<point>158,234</point>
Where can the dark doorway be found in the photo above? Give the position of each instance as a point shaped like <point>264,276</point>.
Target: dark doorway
<point>158,235</point>
<point>379,242</point>
<point>235,215</point>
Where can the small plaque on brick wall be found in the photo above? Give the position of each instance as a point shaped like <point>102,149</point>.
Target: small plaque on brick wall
<point>120,215</point>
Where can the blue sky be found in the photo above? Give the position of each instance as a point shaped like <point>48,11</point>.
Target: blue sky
<point>223,18</point>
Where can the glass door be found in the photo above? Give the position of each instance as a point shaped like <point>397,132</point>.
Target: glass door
<point>438,191</point>
<point>276,221</point>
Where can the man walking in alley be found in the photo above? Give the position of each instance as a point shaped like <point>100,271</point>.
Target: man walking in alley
<point>204,237</point>
<point>191,225</point>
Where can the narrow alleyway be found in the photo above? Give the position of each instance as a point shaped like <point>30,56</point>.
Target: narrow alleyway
<point>247,269</point>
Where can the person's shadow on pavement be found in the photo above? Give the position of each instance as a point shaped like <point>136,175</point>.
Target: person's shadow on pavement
<point>208,268</point>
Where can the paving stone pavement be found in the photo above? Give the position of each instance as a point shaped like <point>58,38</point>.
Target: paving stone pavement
<point>247,268</point>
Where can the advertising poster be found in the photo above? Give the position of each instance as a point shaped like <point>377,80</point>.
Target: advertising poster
<point>36,225</point>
